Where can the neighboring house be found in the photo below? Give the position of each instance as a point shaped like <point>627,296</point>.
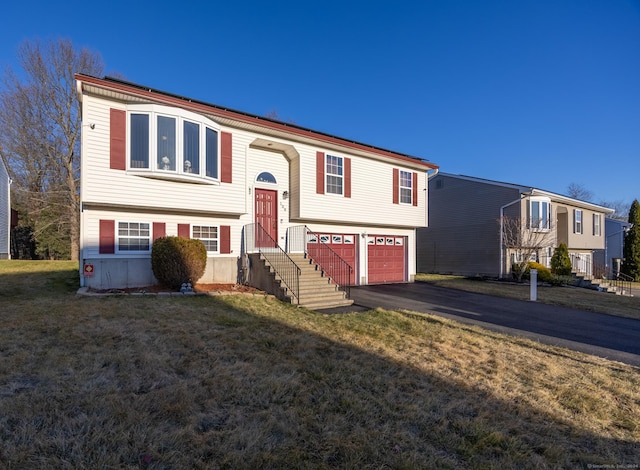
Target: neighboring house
<point>610,258</point>
<point>5,211</point>
<point>156,164</point>
<point>465,234</point>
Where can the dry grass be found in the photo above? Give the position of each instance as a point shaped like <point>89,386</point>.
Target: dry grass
<point>573,297</point>
<point>248,382</point>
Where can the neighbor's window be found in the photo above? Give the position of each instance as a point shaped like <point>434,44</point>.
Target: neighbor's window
<point>540,214</point>
<point>406,181</point>
<point>334,174</point>
<point>577,221</point>
<point>165,140</point>
<point>134,236</point>
<point>597,225</point>
<point>207,235</point>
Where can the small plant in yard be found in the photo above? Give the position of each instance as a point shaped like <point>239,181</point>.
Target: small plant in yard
<point>544,275</point>
<point>560,261</point>
<point>178,260</point>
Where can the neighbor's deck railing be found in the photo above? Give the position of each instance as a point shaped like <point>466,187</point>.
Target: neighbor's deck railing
<point>332,264</point>
<point>258,240</point>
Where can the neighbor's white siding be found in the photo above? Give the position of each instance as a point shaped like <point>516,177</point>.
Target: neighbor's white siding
<point>5,212</point>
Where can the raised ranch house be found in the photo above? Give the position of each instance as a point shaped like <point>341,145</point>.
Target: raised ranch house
<point>466,234</point>
<point>264,196</point>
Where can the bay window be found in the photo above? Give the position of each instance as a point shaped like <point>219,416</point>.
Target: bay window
<point>172,143</point>
<point>540,214</point>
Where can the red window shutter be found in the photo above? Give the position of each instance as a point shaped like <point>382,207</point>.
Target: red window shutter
<point>396,186</point>
<point>225,239</point>
<point>107,244</point>
<point>159,230</point>
<point>184,230</point>
<point>226,157</point>
<point>320,172</point>
<point>414,188</point>
<point>118,137</point>
<point>347,177</point>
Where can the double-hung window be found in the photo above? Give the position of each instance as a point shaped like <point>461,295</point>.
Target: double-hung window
<point>406,187</point>
<point>207,235</point>
<point>540,214</point>
<point>168,142</point>
<point>597,225</point>
<point>134,236</point>
<point>334,174</point>
<point>577,221</point>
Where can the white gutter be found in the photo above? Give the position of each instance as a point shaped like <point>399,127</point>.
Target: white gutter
<point>522,196</point>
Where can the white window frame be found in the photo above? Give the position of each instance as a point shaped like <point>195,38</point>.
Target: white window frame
<point>537,221</point>
<point>406,191</point>
<point>337,177</point>
<point>120,237</point>
<point>178,170</point>
<point>215,239</point>
<point>577,221</point>
<point>597,225</point>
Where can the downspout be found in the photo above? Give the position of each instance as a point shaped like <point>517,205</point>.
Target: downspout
<point>522,196</point>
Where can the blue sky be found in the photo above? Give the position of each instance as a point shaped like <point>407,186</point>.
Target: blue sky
<point>534,92</point>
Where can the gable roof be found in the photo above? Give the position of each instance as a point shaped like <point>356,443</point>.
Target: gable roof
<point>533,191</point>
<point>130,92</point>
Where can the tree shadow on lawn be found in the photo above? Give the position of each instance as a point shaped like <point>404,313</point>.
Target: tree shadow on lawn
<point>196,382</point>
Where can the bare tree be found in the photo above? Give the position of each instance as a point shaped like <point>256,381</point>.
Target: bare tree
<point>40,126</point>
<point>578,191</point>
<point>621,208</point>
<point>521,243</point>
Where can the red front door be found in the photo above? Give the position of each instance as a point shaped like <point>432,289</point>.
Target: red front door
<point>267,213</point>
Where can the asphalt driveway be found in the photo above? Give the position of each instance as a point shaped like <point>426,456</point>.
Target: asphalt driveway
<point>603,335</point>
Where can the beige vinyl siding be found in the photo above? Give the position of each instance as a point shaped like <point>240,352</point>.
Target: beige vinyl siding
<point>100,184</point>
<point>371,198</point>
<point>586,239</point>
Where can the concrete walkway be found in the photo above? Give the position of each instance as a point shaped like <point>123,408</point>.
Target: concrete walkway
<point>603,335</point>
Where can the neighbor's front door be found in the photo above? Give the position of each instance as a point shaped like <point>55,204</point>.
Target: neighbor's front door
<point>267,214</point>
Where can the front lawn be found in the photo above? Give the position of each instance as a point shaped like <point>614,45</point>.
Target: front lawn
<point>249,382</point>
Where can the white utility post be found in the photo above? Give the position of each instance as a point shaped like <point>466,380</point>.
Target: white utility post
<point>534,285</point>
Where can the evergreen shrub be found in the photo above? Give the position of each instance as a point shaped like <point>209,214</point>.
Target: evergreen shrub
<point>560,261</point>
<point>177,260</point>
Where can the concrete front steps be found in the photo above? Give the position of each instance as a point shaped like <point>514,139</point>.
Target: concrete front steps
<point>601,285</point>
<point>604,285</point>
<point>317,292</point>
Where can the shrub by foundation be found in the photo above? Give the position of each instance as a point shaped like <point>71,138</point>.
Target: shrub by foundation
<point>177,260</point>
